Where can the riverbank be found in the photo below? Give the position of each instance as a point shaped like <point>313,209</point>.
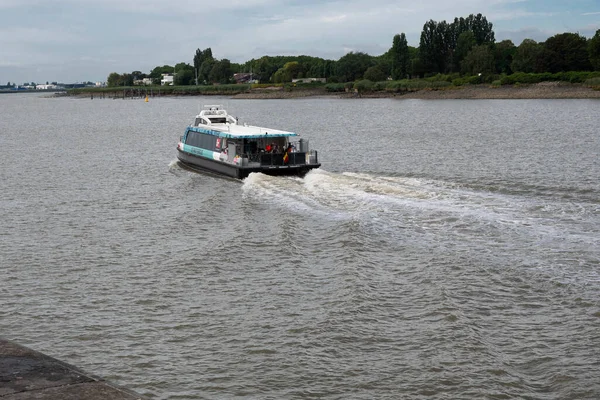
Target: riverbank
<point>543,90</point>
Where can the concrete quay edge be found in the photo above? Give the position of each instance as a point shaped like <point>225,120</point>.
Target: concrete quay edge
<point>29,374</point>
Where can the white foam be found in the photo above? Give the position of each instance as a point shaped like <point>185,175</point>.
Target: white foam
<point>390,203</point>
<point>174,164</point>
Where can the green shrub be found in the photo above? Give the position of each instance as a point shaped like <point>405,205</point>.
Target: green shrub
<point>443,77</point>
<point>363,85</point>
<point>415,84</point>
<point>474,80</point>
<point>265,85</point>
<point>379,86</point>
<point>393,86</point>
<point>335,87</point>
<point>593,83</point>
<point>166,90</point>
<point>439,84</point>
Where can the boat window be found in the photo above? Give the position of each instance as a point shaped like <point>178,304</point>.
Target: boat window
<point>197,121</point>
<point>201,140</point>
<point>218,120</point>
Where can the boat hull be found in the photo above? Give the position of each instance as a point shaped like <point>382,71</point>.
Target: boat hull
<point>241,172</point>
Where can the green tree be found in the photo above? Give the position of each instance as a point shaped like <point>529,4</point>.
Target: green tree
<point>221,72</point>
<point>264,69</point>
<point>526,55</point>
<point>352,66</point>
<point>384,63</point>
<point>199,57</point>
<point>156,73</point>
<point>481,28</point>
<point>464,44</point>
<point>503,56</point>
<point>204,71</point>
<point>375,74</point>
<point>113,79</point>
<point>429,47</point>
<point>400,57</point>
<point>316,69</point>
<point>547,61</point>
<point>594,51</point>
<point>480,60</point>
<point>571,51</point>
<point>478,25</point>
<point>184,74</point>
<point>280,76</point>
<point>291,70</point>
<point>436,47</point>
<point>127,79</point>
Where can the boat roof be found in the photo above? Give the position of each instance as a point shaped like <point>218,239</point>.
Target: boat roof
<point>234,130</point>
<point>242,131</point>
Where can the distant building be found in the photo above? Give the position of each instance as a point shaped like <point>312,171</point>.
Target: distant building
<point>46,87</point>
<point>143,82</point>
<point>309,80</point>
<point>244,77</point>
<point>100,84</point>
<point>167,80</point>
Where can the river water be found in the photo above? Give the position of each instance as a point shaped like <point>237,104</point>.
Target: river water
<point>446,249</point>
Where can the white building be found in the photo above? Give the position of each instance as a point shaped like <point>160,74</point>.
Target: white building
<point>143,82</point>
<point>46,87</point>
<point>167,79</point>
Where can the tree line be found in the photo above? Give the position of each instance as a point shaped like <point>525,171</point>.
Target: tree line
<point>464,47</point>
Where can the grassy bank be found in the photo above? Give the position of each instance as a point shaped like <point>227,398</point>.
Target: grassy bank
<point>517,86</point>
<point>137,91</point>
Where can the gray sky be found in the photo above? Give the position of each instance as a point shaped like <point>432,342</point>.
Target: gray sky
<point>85,40</point>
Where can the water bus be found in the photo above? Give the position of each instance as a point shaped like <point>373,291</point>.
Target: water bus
<point>216,142</point>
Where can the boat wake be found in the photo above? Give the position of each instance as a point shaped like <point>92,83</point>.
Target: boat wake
<point>175,165</point>
<point>351,193</point>
<point>435,213</point>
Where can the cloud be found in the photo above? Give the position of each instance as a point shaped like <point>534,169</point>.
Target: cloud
<point>96,37</point>
<point>27,36</point>
<point>518,35</point>
<point>592,13</point>
<point>333,18</point>
<point>516,14</point>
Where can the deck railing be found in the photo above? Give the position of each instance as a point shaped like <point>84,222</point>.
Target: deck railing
<point>276,159</point>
